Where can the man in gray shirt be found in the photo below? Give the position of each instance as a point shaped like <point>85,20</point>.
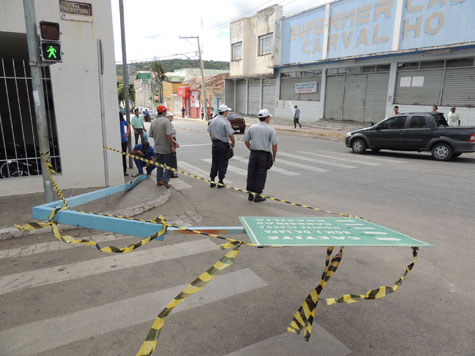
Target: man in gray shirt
<point>259,139</point>
<point>297,117</point>
<point>221,133</point>
<point>161,130</point>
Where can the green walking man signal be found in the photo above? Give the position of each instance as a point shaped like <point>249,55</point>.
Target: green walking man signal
<point>50,42</point>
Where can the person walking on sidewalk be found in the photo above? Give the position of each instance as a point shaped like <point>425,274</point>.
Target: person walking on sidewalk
<point>161,131</point>
<point>124,134</point>
<point>454,117</point>
<point>183,111</point>
<point>145,151</point>
<point>174,161</point>
<point>296,117</point>
<point>137,125</point>
<point>260,139</point>
<point>221,133</point>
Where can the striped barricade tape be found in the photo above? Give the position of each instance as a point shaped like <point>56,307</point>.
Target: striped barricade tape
<point>231,187</point>
<point>150,343</point>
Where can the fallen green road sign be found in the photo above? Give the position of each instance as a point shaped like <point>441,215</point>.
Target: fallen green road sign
<point>316,231</point>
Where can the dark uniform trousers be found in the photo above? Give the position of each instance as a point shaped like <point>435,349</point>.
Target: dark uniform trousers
<point>219,162</point>
<point>257,171</point>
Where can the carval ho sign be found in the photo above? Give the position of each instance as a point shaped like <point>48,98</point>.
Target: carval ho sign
<point>316,231</point>
<point>359,27</point>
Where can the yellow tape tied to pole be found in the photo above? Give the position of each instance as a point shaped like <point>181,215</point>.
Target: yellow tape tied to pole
<point>227,260</point>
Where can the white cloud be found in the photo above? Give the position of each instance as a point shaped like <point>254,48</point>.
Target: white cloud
<point>153,27</point>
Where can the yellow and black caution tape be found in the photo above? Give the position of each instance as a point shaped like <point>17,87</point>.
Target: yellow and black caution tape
<point>377,293</point>
<point>50,171</point>
<point>231,187</point>
<point>227,260</point>
<point>303,318</point>
<point>107,249</point>
<point>32,226</point>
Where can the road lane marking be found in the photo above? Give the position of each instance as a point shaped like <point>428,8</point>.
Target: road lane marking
<point>302,166</point>
<point>321,343</point>
<point>44,335</point>
<point>318,161</point>
<point>285,172</point>
<point>195,170</point>
<point>54,246</point>
<point>231,168</point>
<point>196,145</point>
<point>355,160</point>
<point>370,158</point>
<point>63,273</point>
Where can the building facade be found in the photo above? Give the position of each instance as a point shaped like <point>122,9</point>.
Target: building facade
<point>355,60</point>
<point>72,98</point>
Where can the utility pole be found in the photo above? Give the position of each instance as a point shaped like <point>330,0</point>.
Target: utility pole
<point>203,83</point>
<point>38,92</point>
<point>125,73</point>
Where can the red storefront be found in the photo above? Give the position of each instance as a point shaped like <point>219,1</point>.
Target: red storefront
<point>189,100</point>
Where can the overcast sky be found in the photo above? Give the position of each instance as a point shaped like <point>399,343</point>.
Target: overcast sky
<point>153,27</point>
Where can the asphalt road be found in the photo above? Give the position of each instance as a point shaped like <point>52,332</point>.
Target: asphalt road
<point>75,301</point>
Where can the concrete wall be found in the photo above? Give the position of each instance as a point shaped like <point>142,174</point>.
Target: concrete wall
<point>248,31</point>
<point>309,110</point>
<point>76,97</point>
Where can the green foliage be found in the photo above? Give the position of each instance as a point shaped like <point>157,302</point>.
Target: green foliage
<point>170,65</point>
<point>120,92</point>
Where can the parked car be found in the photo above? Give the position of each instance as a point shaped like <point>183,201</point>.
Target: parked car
<point>236,120</point>
<point>414,132</point>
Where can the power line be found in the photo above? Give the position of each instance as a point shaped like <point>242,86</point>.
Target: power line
<point>161,57</point>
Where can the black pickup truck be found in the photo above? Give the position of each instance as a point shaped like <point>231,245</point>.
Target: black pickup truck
<point>414,132</point>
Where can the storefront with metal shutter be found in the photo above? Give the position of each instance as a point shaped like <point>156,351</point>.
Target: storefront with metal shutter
<point>241,96</point>
<point>268,94</point>
<point>254,96</point>
<point>357,97</point>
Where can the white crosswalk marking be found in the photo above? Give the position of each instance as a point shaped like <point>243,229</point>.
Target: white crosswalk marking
<point>319,161</point>
<point>352,160</point>
<point>369,158</point>
<point>285,172</point>
<point>302,166</point>
<point>231,168</point>
<point>55,246</point>
<point>47,334</point>
<point>190,168</point>
<point>50,275</point>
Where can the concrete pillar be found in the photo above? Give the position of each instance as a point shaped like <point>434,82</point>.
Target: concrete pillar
<point>247,97</point>
<point>323,87</point>
<point>391,89</point>
<point>261,93</point>
<point>234,92</point>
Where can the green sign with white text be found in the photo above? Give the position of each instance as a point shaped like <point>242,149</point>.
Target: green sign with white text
<point>316,231</point>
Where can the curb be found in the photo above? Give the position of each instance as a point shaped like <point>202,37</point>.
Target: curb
<point>12,232</point>
<point>308,132</point>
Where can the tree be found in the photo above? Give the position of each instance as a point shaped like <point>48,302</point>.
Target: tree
<point>158,76</point>
<point>121,95</point>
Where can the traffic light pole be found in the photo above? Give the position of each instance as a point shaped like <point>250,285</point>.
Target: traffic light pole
<point>38,91</point>
<point>125,74</point>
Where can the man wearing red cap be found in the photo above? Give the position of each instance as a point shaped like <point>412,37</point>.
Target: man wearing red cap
<point>161,130</point>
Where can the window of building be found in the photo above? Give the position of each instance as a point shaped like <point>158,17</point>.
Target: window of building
<point>464,62</point>
<point>236,49</point>
<point>265,44</point>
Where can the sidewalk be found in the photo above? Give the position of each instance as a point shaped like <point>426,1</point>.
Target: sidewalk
<point>336,129</point>
<point>143,197</point>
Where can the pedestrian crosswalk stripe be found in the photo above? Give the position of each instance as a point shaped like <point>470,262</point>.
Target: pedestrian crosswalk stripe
<point>352,160</point>
<point>285,172</point>
<point>369,158</point>
<point>231,168</point>
<point>51,275</point>
<point>44,335</point>
<point>302,166</point>
<point>54,246</point>
<point>321,343</point>
<point>318,161</point>
<point>195,170</point>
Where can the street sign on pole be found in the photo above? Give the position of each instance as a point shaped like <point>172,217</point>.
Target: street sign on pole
<point>317,231</point>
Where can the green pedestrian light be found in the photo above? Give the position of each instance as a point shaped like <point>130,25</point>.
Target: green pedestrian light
<point>50,42</point>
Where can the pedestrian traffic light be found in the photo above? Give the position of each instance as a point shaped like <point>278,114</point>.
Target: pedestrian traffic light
<point>50,43</point>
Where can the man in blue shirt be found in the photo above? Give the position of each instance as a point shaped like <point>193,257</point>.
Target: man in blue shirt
<point>124,134</point>
<point>145,151</point>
